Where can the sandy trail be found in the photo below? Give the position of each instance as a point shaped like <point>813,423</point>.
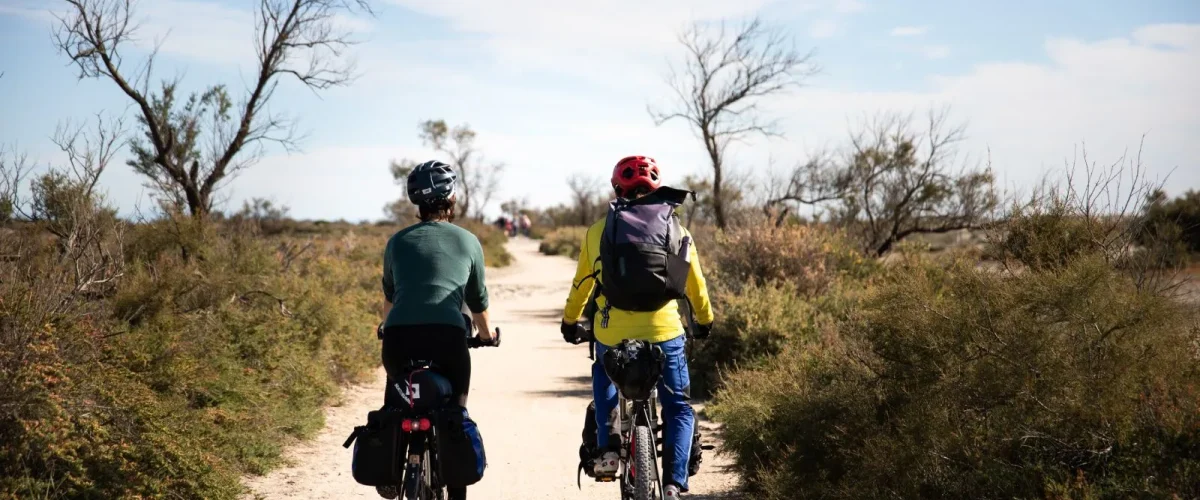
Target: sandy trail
<point>528,396</point>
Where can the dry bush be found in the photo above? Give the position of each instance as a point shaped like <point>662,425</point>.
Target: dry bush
<point>975,384</point>
<point>203,361</point>
<point>1171,227</point>
<point>1062,376</point>
<point>808,258</point>
<point>771,286</point>
<point>566,241</point>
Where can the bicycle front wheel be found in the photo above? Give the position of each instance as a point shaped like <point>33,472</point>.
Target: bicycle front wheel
<point>643,464</point>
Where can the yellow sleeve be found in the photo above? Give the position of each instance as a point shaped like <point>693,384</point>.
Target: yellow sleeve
<point>582,285</point>
<point>697,288</point>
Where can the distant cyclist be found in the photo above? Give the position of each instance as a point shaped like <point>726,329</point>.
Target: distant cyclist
<point>632,178</point>
<point>430,270</point>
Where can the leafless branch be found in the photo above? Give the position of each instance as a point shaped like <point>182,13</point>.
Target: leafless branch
<point>88,155</point>
<point>190,150</point>
<point>14,167</point>
<point>723,76</point>
<point>245,298</point>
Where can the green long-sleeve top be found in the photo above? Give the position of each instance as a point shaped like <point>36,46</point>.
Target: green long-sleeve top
<point>430,270</point>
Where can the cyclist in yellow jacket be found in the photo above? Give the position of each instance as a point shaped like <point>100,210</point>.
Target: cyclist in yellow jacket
<point>633,177</point>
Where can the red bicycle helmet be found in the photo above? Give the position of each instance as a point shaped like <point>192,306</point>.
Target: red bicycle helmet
<point>633,172</point>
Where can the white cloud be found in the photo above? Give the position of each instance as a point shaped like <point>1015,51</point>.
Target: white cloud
<point>909,30</point>
<point>823,28</point>
<point>198,31</point>
<point>936,51</point>
<point>1105,93</point>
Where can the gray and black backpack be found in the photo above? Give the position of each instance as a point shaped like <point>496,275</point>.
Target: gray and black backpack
<point>643,252</point>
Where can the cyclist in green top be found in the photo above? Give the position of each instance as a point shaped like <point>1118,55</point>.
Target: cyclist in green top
<point>431,270</point>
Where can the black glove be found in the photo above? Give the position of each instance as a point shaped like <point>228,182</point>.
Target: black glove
<point>702,331</point>
<point>571,332</point>
<point>379,331</point>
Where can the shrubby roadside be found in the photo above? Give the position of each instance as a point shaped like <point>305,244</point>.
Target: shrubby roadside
<point>176,355</point>
<point>1065,367</point>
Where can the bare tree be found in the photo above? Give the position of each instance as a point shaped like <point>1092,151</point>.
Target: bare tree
<point>897,180</point>
<point>188,149</point>
<point>515,206</point>
<point>14,166</point>
<point>401,210</point>
<point>479,180</point>
<point>587,198</point>
<point>724,76</point>
<point>65,202</point>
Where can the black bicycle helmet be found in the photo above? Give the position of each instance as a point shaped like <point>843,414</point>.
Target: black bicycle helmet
<point>430,182</point>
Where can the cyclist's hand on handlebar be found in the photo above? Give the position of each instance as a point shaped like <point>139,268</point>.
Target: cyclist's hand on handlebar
<point>573,333</point>
<point>379,331</point>
<point>702,331</point>
<point>493,340</point>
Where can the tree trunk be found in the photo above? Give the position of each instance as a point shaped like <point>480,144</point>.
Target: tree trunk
<point>714,155</point>
<point>197,202</point>
<point>464,201</point>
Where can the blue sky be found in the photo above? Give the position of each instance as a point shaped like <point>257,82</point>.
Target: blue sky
<point>554,88</point>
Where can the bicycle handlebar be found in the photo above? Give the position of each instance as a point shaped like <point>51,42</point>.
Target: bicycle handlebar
<point>475,341</point>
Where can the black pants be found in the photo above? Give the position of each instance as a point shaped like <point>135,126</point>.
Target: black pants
<point>445,346</point>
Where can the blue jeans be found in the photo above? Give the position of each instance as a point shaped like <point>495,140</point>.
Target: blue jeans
<point>673,394</point>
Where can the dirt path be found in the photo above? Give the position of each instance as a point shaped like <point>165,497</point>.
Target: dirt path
<point>528,397</point>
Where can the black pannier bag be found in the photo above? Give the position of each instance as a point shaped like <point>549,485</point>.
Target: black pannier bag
<point>460,447</point>
<point>376,456</point>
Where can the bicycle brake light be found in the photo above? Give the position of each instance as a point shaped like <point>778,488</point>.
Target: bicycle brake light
<point>424,424</point>
<point>406,425</point>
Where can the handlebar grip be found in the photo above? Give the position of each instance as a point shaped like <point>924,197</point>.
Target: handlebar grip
<point>478,342</point>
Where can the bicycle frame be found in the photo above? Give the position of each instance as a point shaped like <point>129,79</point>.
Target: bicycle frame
<point>420,470</point>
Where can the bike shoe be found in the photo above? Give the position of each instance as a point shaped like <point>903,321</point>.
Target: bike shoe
<point>607,465</point>
<point>671,492</point>
<point>388,492</point>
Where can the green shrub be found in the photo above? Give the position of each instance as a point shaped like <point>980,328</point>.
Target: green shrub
<point>566,241</point>
<point>1172,227</point>
<point>178,369</point>
<point>754,325</point>
<point>957,382</point>
<point>771,286</point>
<point>536,231</point>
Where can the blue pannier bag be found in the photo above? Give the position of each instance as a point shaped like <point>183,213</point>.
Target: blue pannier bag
<point>460,447</point>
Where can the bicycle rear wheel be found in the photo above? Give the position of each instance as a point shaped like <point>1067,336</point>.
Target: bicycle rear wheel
<point>418,485</point>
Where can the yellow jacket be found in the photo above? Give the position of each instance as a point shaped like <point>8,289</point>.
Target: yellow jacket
<point>658,326</point>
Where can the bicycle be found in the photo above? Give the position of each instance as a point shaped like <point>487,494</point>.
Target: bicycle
<point>638,427</point>
<point>637,420</point>
<point>426,392</point>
